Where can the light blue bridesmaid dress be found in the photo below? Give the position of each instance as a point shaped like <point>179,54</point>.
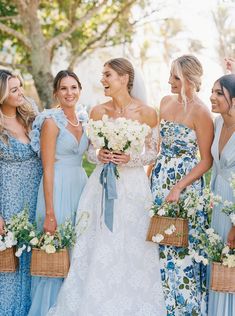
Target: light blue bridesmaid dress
<point>20,174</point>
<point>69,181</point>
<point>222,304</point>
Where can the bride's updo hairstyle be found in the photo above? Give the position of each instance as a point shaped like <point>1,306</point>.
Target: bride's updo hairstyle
<point>122,66</point>
<point>188,67</point>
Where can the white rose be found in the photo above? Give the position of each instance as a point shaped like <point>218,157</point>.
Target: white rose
<point>50,249</point>
<point>161,212</point>
<point>225,250</point>
<point>18,252</point>
<point>157,238</point>
<point>34,241</point>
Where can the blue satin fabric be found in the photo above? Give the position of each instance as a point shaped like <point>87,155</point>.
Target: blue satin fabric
<point>108,181</point>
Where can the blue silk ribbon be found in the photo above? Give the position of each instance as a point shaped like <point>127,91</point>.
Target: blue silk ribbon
<point>108,181</point>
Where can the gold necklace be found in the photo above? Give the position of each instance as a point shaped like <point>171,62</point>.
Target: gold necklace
<point>121,111</point>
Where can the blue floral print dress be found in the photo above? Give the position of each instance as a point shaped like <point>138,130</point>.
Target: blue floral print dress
<point>20,174</point>
<point>183,280</point>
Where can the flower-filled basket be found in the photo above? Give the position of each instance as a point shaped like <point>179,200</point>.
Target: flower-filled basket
<point>54,265</point>
<point>169,221</point>
<point>50,255</point>
<point>222,278</point>
<point>212,249</point>
<point>8,261</point>
<point>173,231</point>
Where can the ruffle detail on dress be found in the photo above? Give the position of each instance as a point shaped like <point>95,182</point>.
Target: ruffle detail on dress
<point>59,118</point>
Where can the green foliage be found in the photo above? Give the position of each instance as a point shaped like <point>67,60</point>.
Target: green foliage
<point>89,167</point>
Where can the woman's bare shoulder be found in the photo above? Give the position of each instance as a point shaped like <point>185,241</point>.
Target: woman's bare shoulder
<point>98,111</point>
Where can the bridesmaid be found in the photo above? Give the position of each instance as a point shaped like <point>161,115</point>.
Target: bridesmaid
<point>62,144</point>
<point>223,151</point>
<point>186,128</point>
<point>20,173</point>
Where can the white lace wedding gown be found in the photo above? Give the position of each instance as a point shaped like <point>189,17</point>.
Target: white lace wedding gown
<point>115,273</point>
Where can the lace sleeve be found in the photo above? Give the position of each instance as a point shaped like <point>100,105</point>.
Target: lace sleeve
<point>92,155</point>
<point>149,153</point>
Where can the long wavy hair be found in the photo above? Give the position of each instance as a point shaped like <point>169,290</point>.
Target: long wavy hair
<point>24,113</point>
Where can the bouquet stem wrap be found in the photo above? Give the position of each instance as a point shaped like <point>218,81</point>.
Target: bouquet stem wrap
<point>108,181</point>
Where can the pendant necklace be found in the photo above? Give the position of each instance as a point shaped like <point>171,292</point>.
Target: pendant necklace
<point>121,111</point>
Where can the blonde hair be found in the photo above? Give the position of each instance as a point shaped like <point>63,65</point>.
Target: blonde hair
<point>188,67</point>
<point>25,113</point>
<point>122,66</point>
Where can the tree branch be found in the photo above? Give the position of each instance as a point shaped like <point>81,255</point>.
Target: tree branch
<point>63,36</point>
<point>15,66</point>
<point>14,33</point>
<point>98,38</point>
<point>10,17</point>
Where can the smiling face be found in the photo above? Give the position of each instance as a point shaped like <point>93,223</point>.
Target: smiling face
<point>219,99</point>
<point>175,82</point>
<point>15,96</point>
<point>68,92</point>
<point>112,82</point>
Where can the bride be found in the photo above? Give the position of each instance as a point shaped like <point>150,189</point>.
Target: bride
<point>116,273</point>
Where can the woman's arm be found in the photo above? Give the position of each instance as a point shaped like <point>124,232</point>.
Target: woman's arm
<point>231,238</point>
<point>49,135</point>
<point>205,134</point>
<point>2,224</point>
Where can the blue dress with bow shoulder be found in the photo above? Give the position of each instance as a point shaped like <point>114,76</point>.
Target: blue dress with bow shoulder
<point>69,181</point>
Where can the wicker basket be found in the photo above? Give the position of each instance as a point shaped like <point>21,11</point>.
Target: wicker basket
<point>159,224</point>
<point>222,278</point>
<point>8,260</point>
<point>54,265</point>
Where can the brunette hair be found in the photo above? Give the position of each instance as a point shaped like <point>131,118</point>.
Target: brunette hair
<point>122,66</point>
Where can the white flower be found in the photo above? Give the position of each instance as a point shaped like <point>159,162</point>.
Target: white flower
<point>157,238</point>
<point>151,213</point>
<point>210,231</point>
<point>34,241</point>
<point>18,252</point>
<point>232,217</point>
<point>170,230</point>
<point>32,234</point>
<point>2,246</point>
<point>161,212</point>
<point>225,250</point>
<point>28,249</point>
<point>50,249</point>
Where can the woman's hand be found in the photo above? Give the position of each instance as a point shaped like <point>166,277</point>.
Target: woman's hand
<point>2,225</point>
<point>230,64</point>
<point>50,224</point>
<point>120,158</point>
<point>173,195</point>
<point>231,238</point>
<point>105,155</point>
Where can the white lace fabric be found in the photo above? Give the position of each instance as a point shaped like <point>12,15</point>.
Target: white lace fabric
<point>148,155</point>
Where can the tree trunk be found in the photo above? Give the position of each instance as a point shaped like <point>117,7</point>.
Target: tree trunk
<point>42,76</point>
<point>40,56</point>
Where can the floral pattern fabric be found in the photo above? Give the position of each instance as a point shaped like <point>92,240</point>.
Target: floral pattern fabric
<point>183,280</point>
<point>20,174</point>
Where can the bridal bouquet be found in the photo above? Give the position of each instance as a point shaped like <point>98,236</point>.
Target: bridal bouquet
<point>169,221</point>
<point>119,134</point>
